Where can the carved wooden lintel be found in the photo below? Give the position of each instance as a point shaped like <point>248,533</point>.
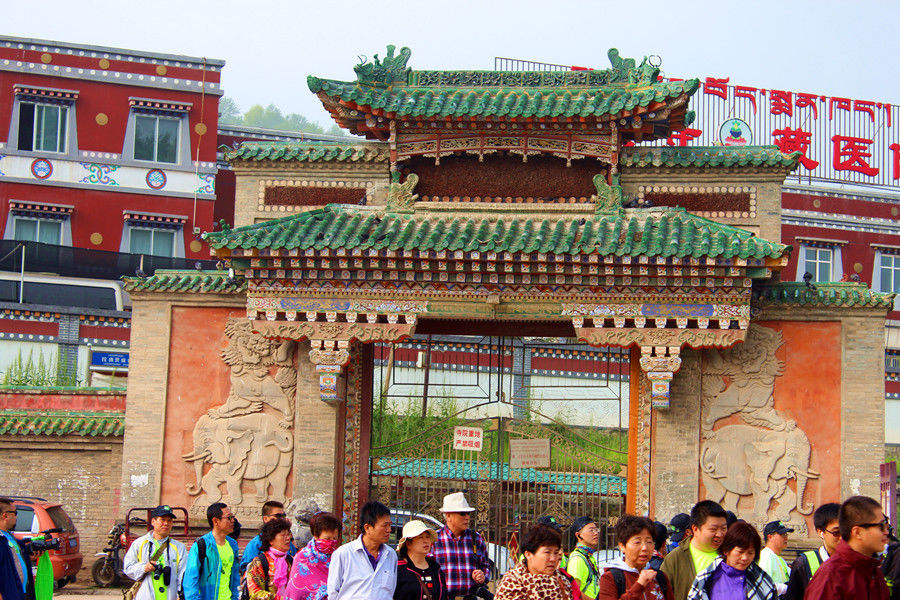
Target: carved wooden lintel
<point>337,331</point>
<point>632,336</point>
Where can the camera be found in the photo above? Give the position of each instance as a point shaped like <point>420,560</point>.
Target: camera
<point>42,544</point>
<point>483,592</point>
<point>162,572</point>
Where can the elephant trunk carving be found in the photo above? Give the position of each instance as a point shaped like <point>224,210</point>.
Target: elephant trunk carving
<point>803,478</point>
<point>195,488</point>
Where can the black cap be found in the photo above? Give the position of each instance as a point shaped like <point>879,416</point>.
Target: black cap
<point>678,525</point>
<point>775,527</point>
<point>163,510</point>
<point>550,522</point>
<point>730,518</point>
<point>580,523</point>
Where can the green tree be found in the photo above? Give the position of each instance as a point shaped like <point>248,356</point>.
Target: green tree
<point>229,113</point>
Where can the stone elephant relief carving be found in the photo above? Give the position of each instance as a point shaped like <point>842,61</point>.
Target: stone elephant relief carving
<point>249,437</point>
<point>740,460</point>
<point>254,447</point>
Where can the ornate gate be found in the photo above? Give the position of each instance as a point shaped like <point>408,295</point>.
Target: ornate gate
<point>526,427</point>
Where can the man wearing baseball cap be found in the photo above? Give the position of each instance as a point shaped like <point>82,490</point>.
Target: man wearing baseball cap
<point>157,560</point>
<point>460,551</point>
<point>775,536</point>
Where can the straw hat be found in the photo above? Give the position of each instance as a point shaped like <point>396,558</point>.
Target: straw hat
<point>413,529</point>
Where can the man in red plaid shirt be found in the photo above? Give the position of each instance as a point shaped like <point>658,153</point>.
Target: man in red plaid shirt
<point>460,551</point>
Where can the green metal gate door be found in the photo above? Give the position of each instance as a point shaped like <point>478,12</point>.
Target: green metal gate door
<point>526,427</point>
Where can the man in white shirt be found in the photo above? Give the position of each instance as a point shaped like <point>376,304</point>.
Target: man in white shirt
<point>162,576</point>
<point>770,561</point>
<point>366,568</point>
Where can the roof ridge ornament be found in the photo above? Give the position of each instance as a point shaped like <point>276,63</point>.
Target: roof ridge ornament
<point>384,72</point>
<point>400,195</point>
<point>626,70</point>
<point>609,198</point>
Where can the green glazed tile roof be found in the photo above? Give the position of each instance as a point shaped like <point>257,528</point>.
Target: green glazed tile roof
<point>93,424</point>
<point>709,156</point>
<point>310,152</point>
<point>469,470</point>
<point>650,232</point>
<point>824,294</point>
<point>165,280</point>
<point>503,100</point>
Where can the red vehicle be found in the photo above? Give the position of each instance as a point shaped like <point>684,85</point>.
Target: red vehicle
<point>36,515</point>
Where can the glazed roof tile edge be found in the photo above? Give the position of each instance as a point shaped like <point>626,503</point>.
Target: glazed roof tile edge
<point>310,152</point>
<point>508,101</point>
<point>171,280</point>
<point>650,232</point>
<point>709,156</point>
<point>843,294</point>
<point>81,423</point>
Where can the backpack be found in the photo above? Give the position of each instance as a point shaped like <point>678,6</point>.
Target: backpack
<point>264,560</point>
<point>619,578</point>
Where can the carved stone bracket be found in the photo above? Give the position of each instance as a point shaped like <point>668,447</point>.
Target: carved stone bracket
<point>694,338</point>
<point>660,363</point>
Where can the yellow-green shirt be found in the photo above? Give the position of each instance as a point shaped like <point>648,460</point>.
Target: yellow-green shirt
<point>585,570</point>
<point>226,557</point>
<point>700,558</point>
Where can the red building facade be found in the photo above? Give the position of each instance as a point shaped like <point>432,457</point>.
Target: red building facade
<point>107,149</point>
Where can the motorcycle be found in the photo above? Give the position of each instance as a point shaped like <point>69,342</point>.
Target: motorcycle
<point>107,569</point>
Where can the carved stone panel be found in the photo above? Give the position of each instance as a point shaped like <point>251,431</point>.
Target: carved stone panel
<point>247,440</point>
<point>755,457</point>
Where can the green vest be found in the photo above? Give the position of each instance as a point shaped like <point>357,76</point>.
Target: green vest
<point>814,561</point>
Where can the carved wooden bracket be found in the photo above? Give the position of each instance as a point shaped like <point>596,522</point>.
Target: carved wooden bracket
<point>660,329</point>
<point>330,341</point>
<point>660,363</point>
<point>330,358</point>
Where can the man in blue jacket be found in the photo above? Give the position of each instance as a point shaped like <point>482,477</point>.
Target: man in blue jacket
<point>213,569</point>
<point>16,582</point>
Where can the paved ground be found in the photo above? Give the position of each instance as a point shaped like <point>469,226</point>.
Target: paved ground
<point>86,591</point>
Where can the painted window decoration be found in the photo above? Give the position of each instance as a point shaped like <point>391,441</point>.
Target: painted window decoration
<point>42,127</point>
<point>152,240</point>
<point>890,272</point>
<point>819,263</point>
<point>45,231</point>
<point>156,138</point>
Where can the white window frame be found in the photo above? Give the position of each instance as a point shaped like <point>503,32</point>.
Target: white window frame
<point>837,264</point>
<point>58,222</point>
<point>158,118</point>
<point>61,128</point>
<point>876,272</point>
<point>153,232</point>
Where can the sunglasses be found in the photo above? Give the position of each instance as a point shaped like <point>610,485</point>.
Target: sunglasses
<point>10,512</point>
<point>279,515</point>
<point>884,525</point>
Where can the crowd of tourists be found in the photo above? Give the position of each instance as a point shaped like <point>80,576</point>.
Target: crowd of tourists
<point>709,554</point>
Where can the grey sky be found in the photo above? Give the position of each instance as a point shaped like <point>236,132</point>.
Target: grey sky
<point>842,48</point>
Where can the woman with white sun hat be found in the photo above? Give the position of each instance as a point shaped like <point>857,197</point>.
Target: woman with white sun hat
<point>419,577</point>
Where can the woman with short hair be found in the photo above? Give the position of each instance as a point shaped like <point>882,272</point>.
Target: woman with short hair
<point>735,574</point>
<point>628,577</point>
<point>267,574</point>
<point>537,576</point>
<point>309,575</point>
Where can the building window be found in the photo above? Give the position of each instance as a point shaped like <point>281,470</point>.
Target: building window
<point>42,127</point>
<point>819,263</point>
<point>156,138</point>
<point>889,273</point>
<point>45,231</point>
<point>151,240</point>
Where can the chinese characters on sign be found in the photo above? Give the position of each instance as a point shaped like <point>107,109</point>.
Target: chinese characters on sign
<point>111,360</point>
<point>468,438</point>
<point>529,454</point>
<point>839,139</point>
